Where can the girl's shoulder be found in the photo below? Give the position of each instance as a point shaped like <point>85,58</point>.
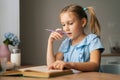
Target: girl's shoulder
<point>66,40</point>
<point>90,38</point>
<point>64,45</point>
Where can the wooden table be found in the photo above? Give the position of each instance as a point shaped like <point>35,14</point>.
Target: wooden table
<point>79,76</point>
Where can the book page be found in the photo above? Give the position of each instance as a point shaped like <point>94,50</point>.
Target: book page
<point>39,69</point>
<point>75,71</point>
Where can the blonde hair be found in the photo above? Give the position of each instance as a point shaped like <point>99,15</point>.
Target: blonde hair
<point>94,23</point>
<point>81,13</point>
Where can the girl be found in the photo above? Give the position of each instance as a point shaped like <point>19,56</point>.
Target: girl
<point>79,51</point>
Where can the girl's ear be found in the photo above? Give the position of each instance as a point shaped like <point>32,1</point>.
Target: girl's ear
<point>84,22</point>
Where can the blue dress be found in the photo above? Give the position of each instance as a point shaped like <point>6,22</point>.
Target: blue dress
<point>81,51</point>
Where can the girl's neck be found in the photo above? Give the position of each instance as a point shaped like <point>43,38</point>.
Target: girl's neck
<point>78,40</point>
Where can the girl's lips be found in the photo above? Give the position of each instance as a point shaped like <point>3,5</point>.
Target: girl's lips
<point>69,34</point>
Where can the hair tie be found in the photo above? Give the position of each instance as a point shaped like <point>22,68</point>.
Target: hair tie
<point>85,9</point>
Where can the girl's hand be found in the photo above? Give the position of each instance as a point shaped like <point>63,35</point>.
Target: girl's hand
<point>59,65</point>
<point>56,35</point>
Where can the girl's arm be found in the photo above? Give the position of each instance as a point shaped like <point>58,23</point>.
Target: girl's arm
<point>50,52</point>
<point>92,65</point>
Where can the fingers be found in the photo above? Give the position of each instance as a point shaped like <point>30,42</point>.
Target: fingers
<point>60,31</point>
<point>59,65</point>
<point>56,36</point>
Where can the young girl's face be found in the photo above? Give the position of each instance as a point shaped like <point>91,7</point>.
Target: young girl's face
<point>72,25</point>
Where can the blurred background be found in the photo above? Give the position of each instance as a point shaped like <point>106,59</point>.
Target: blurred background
<point>29,18</point>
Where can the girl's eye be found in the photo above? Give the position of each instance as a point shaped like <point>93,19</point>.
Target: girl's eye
<point>70,23</point>
<point>63,25</point>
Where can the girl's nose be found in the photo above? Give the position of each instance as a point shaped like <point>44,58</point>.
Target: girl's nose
<point>66,28</point>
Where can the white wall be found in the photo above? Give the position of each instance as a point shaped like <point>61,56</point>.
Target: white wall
<point>37,15</point>
<point>9,17</point>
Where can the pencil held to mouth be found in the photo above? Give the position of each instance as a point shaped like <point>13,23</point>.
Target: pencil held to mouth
<point>59,31</point>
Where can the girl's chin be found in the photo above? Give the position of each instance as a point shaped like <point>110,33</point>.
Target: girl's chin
<point>71,38</point>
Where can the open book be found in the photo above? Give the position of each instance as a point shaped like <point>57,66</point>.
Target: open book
<point>37,71</point>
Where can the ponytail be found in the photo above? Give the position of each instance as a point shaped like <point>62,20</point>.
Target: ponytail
<point>94,23</point>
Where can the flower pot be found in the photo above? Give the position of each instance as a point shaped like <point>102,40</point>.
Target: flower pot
<point>4,51</point>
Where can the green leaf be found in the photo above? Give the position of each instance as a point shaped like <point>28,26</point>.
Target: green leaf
<point>7,42</point>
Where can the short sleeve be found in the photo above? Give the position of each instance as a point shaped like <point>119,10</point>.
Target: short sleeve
<point>64,45</point>
<point>96,44</point>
